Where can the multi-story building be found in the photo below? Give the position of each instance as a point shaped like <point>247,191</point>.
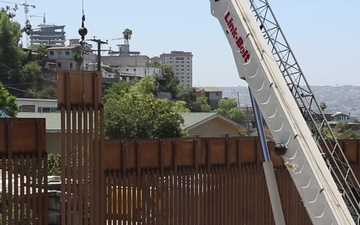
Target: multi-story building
<point>213,95</point>
<point>48,35</point>
<point>63,57</point>
<point>181,62</point>
<point>131,67</point>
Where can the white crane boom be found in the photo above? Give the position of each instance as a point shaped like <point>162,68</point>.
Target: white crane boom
<point>304,161</point>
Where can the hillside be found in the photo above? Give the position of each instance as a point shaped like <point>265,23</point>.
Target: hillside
<point>343,98</point>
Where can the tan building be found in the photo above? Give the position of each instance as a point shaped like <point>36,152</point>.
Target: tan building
<point>181,62</point>
<point>210,125</point>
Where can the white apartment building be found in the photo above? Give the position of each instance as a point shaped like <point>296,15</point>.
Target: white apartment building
<point>48,35</point>
<point>181,62</point>
<point>63,57</point>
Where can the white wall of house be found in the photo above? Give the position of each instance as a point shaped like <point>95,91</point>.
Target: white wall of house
<point>36,105</point>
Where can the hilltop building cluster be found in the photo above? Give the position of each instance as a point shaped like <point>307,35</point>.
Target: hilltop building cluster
<point>120,65</point>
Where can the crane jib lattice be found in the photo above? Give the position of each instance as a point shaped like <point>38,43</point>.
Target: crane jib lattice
<point>335,158</point>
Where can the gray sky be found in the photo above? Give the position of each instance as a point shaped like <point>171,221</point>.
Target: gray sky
<point>323,34</point>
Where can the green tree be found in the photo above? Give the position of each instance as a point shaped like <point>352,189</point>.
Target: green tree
<point>137,113</point>
<point>41,56</point>
<point>155,64</point>
<point>27,27</point>
<point>341,127</point>
<point>32,78</point>
<point>46,93</point>
<point>200,105</point>
<point>54,164</point>
<point>187,95</point>
<point>11,54</point>
<point>228,108</point>
<point>168,81</point>
<point>147,85</point>
<point>348,134</point>
<point>7,102</point>
<point>323,106</point>
<point>116,90</point>
<point>78,58</point>
<point>127,34</point>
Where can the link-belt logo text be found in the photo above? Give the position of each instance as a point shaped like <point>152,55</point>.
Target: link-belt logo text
<point>238,39</point>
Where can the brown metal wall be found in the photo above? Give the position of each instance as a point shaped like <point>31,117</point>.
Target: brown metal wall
<point>82,136</point>
<point>198,181</point>
<point>23,162</point>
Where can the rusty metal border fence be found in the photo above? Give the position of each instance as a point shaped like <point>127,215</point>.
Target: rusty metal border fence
<point>82,138</point>
<point>215,181</point>
<point>23,162</point>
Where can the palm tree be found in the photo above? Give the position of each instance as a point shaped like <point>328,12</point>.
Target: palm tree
<point>323,106</point>
<point>127,34</point>
<point>78,59</point>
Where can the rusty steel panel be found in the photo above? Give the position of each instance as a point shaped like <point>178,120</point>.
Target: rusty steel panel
<point>199,181</point>
<point>351,149</point>
<point>23,135</point>
<point>24,198</point>
<point>165,153</point>
<point>219,195</point>
<point>82,140</point>
<point>79,87</point>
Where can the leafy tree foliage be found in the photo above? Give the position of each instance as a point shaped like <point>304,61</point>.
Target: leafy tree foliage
<point>7,102</point>
<point>323,106</point>
<point>168,82</point>
<point>200,105</point>
<point>54,164</point>
<point>31,76</point>
<point>155,64</point>
<point>194,103</point>
<point>228,108</point>
<point>41,55</point>
<point>135,112</point>
<point>116,90</point>
<point>46,93</point>
<point>11,54</point>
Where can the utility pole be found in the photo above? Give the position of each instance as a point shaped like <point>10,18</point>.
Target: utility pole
<point>99,42</point>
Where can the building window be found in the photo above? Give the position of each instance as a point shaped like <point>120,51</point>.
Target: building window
<point>59,64</point>
<point>51,52</point>
<point>67,53</point>
<point>27,108</point>
<point>46,109</point>
<point>71,65</point>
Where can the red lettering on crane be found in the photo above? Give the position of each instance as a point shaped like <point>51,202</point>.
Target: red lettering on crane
<point>239,41</point>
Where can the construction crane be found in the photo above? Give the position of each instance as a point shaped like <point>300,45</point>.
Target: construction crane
<point>318,166</point>
<point>26,10</point>
<point>43,16</point>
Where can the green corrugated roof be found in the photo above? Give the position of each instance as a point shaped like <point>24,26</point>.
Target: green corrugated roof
<point>193,118</point>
